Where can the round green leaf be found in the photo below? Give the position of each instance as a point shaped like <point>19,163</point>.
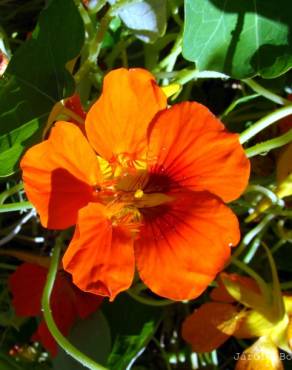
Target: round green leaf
<point>239,38</point>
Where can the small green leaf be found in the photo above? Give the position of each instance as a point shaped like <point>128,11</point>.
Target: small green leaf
<point>126,348</point>
<point>146,18</point>
<point>239,38</point>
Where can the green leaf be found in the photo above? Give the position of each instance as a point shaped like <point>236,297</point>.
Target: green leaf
<point>126,348</point>
<point>239,38</point>
<point>91,336</point>
<point>13,144</point>
<point>36,77</point>
<point>146,18</point>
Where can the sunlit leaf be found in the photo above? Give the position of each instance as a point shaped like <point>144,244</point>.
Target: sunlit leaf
<point>239,38</point>
<point>147,18</point>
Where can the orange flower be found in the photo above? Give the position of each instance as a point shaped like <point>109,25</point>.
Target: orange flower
<point>148,185</point>
<point>3,63</point>
<point>267,317</point>
<point>68,302</point>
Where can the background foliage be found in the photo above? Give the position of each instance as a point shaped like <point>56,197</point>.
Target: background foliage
<point>211,48</point>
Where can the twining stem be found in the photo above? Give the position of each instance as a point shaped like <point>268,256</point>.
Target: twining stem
<point>58,336</point>
<point>253,248</point>
<point>186,76</point>
<point>8,192</point>
<point>19,206</point>
<point>169,61</point>
<point>277,246</point>
<point>277,293</point>
<point>268,145</point>
<point>265,122</point>
<point>149,301</point>
<point>94,46</point>
<point>17,228</point>
<point>286,285</point>
<point>266,93</point>
<point>265,191</point>
<point>95,43</point>
<point>261,283</point>
<point>251,235</point>
<point>236,102</point>
<point>6,266</point>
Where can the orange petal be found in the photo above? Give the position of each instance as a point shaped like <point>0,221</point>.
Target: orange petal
<point>210,326</point>
<point>192,147</point>
<point>184,244</point>
<point>59,174</point>
<point>100,256</point>
<point>255,325</point>
<point>221,294</point>
<point>262,355</point>
<point>118,121</point>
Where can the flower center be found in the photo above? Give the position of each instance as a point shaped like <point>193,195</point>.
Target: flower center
<point>127,190</point>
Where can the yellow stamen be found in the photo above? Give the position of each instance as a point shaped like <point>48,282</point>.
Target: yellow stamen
<point>139,194</point>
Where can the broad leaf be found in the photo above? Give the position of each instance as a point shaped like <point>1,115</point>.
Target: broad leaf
<point>146,18</point>
<point>36,77</point>
<point>239,38</point>
<point>92,337</point>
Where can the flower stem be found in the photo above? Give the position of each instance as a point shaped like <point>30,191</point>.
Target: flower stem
<point>253,233</point>
<point>186,76</point>
<point>6,266</point>
<point>286,285</point>
<point>149,301</point>
<point>58,336</point>
<point>268,145</point>
<point>261,283</point>
<point>11,207</point>
<point>266,93</point>
<point>265,122</point>
<point>277,293</point>
<point>264,191</point>
<point>7,193</point>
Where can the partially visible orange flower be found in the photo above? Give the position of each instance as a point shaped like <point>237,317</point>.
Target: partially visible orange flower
<point>245,313</point>
<point>148,184</point>
<point>3,63</point>
<point>68,302</point>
